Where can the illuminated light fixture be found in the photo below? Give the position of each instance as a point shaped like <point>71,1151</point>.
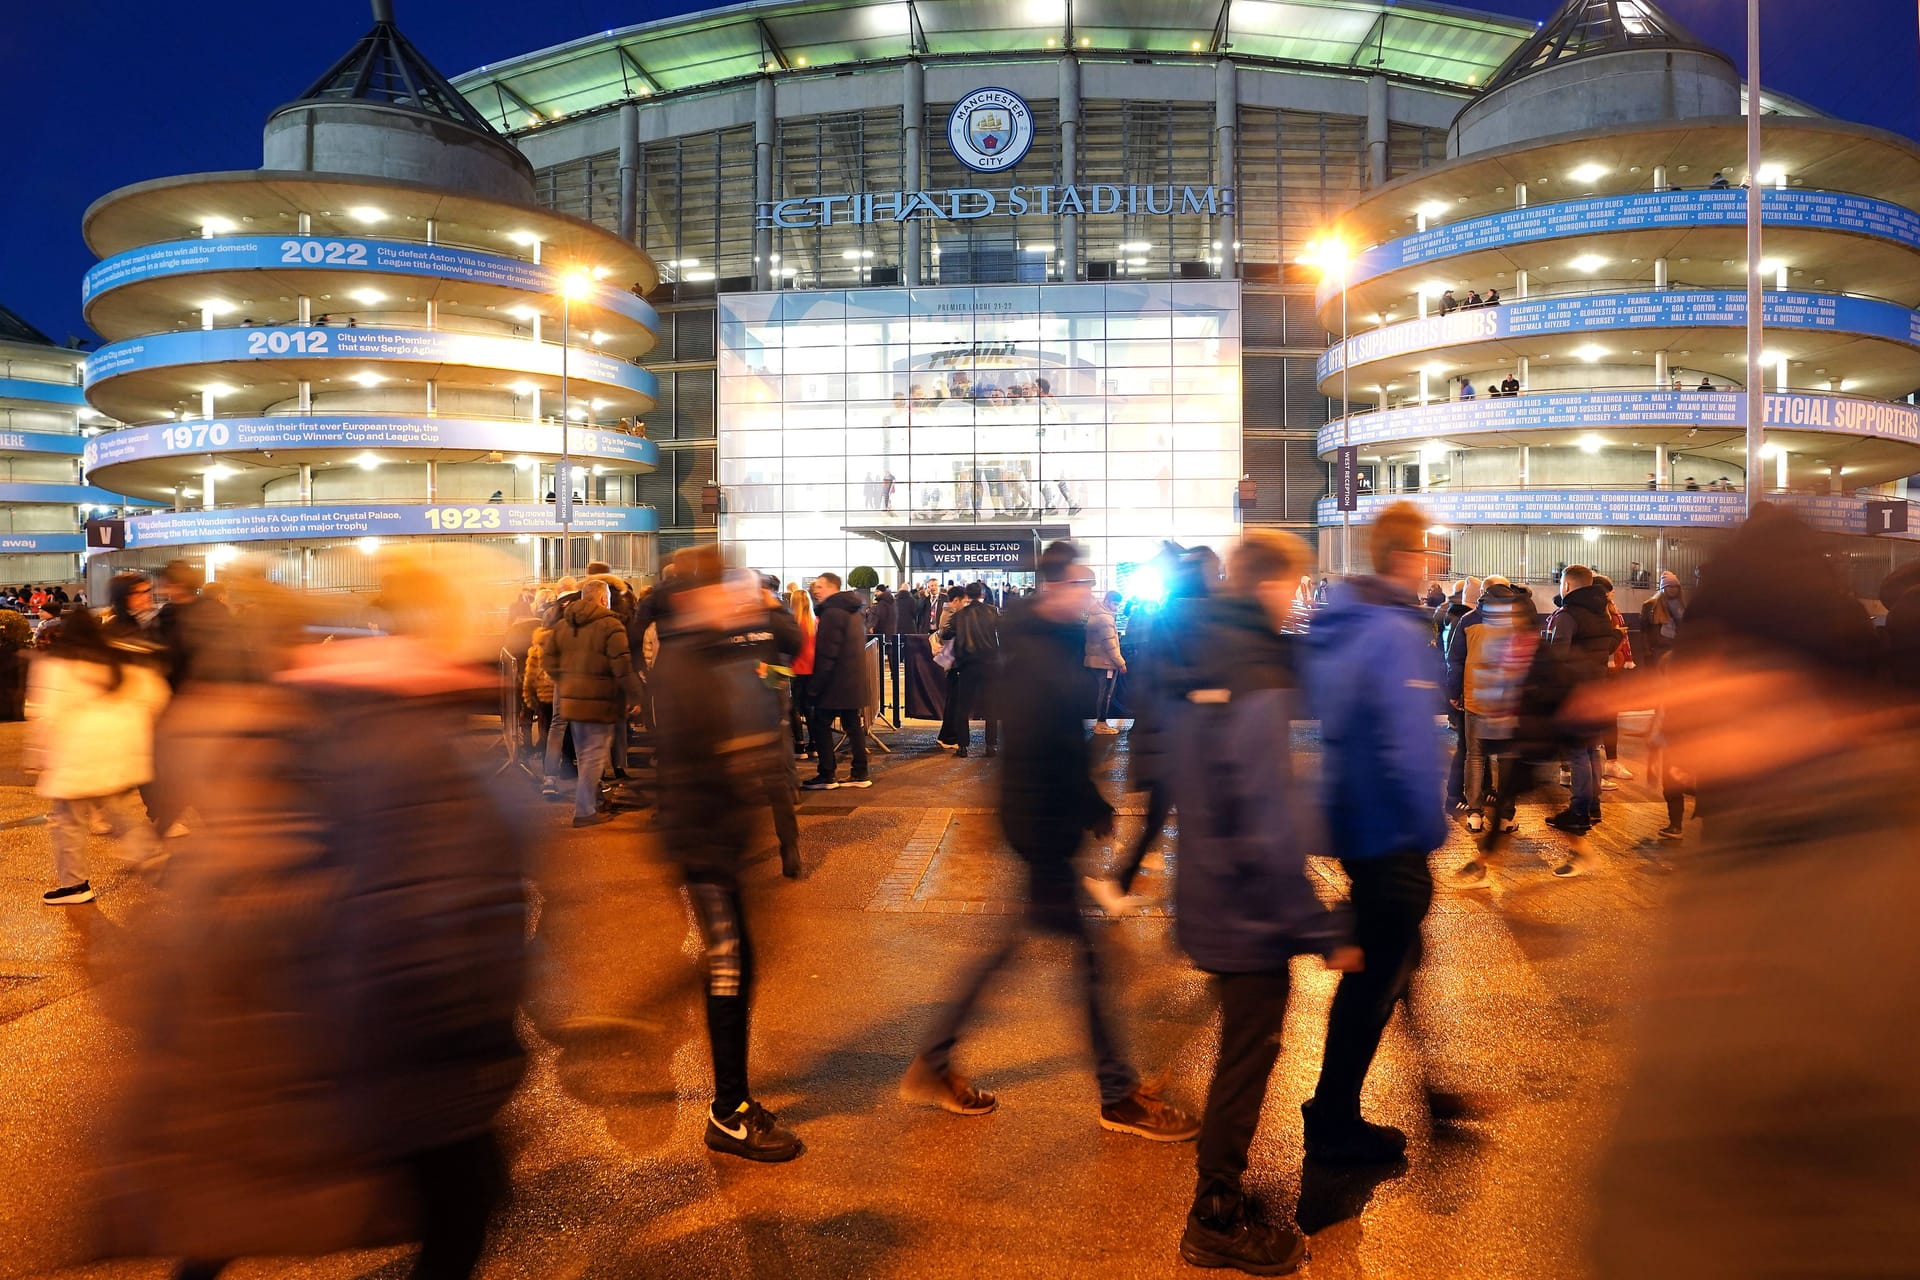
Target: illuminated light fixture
<point>1588,173</point>
<point>217,389</point>
<point>222,553</point>
<point>601,404</point>
<point>216,225</point>
<point>1195,46</point>
<point>1086,42</point>
<point>367,213</point>
<point>1436,531</point>
<point>1473,77</point>
<point>1434,288</point>
<point>367,297</point>
<point>523,312</point>
<point>596,537</point>
<point>368,462</point>
<point>599,470</point>
<point>850,255</point>
<point>600,273</point>
<point>1589,535</point>
<point>576,284</point>
<point>1769,451</point>
<point>1052,43</point>
<point>524,463</point>
<point>367,545</point>
<point>1135,246</point>
<point>1136,262</point>
<point>523,538</point>
<point>522,388</point>
<point>1589,353</point>
<point>800,61</point>
<point>367,379</point>
<point>1433,209</point>
<point>696,277</point>
<point>1037,248</point>
<point>1771,175</point>
<point>523,237</point>
<point>866,253</point>
<point>791,272</point>
<point>577,414</point>
<point>685,262</point>
<point>1591,444</point>
<point>219,307</point>
<point>598,338</point>
<point>1771,266</point>
<point>219,471</point>
<point>1588,262</point>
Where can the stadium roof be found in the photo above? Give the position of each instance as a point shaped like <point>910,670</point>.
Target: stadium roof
<point>1430,43</point>
<point>1591,28</point>
<point>383,67</point>
<point>14,329</point>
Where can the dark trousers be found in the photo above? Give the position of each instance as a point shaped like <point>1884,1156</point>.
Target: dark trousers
<point>1389,897</point>
<point>1159,806</point>
<point>1457,771</point>
<point>796,714</point>
<point>723,930</point>
<point>1053,908</point>
<point>1252,1007</point>
<point>820,723</point>
<point>973,696</point>
<point>952,729</point>
<point>457,1188</point>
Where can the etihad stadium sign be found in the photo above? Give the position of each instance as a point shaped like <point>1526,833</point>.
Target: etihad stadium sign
<point>966,204</point>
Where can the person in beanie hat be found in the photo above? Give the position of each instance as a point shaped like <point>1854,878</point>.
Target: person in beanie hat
<point>1495,645</point>
<point>1660,617</point>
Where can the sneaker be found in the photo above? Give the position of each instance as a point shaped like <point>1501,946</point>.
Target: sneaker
<point>68,896</point>
<point>1615,769</point>
<point>1104,729</point>
<point>1670,832</point>
<point>753,1133</point>
<point>175,832</point>
<point>1608,784</point>
<point>594,819</point>
<point>1567,822</point>
<point>1351,1141</point>
<point>858,783</point>
<point>819,784</point>
<point>1471,874</point>
<point>1475,823</point>
<point>945,1090</point>
<point>1573,867</point>
<point>1106,894</point>
<point>1143,1114</point>
<point>1244,1242</point>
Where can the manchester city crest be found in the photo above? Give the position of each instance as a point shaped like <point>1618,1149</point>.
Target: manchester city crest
<point>990,130</point>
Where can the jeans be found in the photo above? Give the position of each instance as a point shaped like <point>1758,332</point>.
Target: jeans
<point>1052,907</point>
<point>1104,681</point>
<point>820,724</point>
<point>1456,768</point>
<point>591,743</point>
<point>1584,763</point>
<point>1389,897</point>
<point>556,744</point>
<point>1252,1007</point>
<point>729,955</point>
<point>71,822</point>
<point>1481,754</point>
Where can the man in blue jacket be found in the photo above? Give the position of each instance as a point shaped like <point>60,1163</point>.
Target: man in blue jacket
<point>1374,681</point>
<point>1245,904</point>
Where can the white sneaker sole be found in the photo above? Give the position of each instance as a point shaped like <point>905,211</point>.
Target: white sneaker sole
<point>69,900</point>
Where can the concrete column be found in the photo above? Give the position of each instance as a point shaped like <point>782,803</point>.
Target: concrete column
<point>306,484</point>
<point>1520,282</point>
<point>1834,483</point>
<point>913,112</point>
<point>304,223</point>
<point>1660,465</point>
<point>1780,278</point>
<point>1377,131</point>
<point>1070,264</point>
<point>1424,397</point>
<point>1226,117</point>
<point>1523,374</point>
<point>206,489</point>
<point>206,317</point>
<point>433,314</point>
<point>432,396</point>
<point>1660,370</point>
<point>1659,273</point>
<point>536,404</point>
<point>1780,469</point>
<point>627,218</point>
<point>1780,378</point>
<point>433,481</point>
<point>306,396</point>
<point>1526,463</point>
<point>304,309</point>
<point>764,139</point>
<point>1659,177</point>
<point>1519,195</point>
<point>1421,295</point>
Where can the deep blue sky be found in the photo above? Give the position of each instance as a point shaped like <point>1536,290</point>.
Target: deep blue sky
<point>99,93</point>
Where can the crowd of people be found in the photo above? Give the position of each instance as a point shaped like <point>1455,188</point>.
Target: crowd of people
<point>321,842</point>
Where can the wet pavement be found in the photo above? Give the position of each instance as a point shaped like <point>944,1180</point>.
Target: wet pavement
<point>1526,1001</point>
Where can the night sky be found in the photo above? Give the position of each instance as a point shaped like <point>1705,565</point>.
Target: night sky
<point>101,93</point>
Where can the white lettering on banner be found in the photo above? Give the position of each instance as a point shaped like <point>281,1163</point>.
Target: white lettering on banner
<point>10,440</point>
<point>965,204</point>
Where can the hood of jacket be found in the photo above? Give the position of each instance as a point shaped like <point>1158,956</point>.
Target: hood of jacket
<point>580,612</point>
<point>1591,599</point>
<point>847,600</point>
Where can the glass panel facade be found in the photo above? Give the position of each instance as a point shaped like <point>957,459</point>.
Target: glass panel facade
<point>1111,410</point>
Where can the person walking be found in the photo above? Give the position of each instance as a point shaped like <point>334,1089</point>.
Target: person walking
<point>800,605</point>
<point>838,689</point>
<point>92,702</point>
<point>975,632</point>
<point>771,638</point>
<point>1660,617</point>
<point>1580,639</point>
<point>954,600</point>
<point>1104,658</point>
<point>1374,682</point>
<point>1048,803</point>
<point>1487,665</point>
<point>593,674</point>
<point>721,740</point>
<point>1245,904</point>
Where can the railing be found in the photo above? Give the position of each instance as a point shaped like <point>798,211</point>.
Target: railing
<point>1446,384</point>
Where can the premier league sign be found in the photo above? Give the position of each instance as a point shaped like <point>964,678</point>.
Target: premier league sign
<point>990,130</point>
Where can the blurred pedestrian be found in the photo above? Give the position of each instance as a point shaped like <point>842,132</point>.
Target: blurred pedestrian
<point>1487,664</point>
<point>1581,638</point>
<point>1374,682</point>
<point>593,678</point>
<point>772,638</point>
<point>1246,906</point>
<point>839,688</point>
<point>1660,617</point>
<point>1104,658</point>
<point>1048,803</point>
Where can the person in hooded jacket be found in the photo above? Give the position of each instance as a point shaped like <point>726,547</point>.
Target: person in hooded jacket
<point>975,632</point>
<point>1581,638</point>
<point>1245,904</point>
<point>721,740</point>
<point>593,680</point>
<point>838,686</point>
<point>1374,682</point>
<point>1495,645</point>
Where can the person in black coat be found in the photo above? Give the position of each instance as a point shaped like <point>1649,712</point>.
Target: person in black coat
<point>1048,804</point>
<point>1580,638</point>
<point>975,632</point>
<point>838,686</point>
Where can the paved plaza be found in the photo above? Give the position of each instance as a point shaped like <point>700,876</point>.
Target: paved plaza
<point>1528,994</point>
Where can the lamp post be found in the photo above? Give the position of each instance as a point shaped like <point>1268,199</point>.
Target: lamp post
<point>1331,255</point>
<point>1756,373</point>
<point>574,284</point>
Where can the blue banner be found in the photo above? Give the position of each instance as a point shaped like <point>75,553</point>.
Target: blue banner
<point>1600,408</point>
<point>40,442</point>
<point>42,543</point>
<point>371,431</point>
<point>1824,210</point>
<point>323,253</point>
<point>1560,507</point>
<point>421,346</point>
<point>28,494</point>
<point>44,392</point>
<point>377,520</point>
<point>1630,312</point>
